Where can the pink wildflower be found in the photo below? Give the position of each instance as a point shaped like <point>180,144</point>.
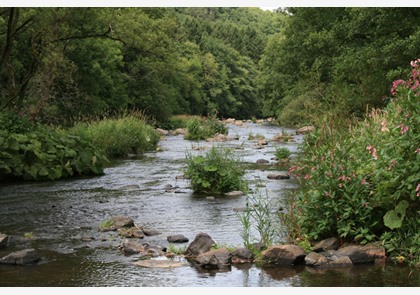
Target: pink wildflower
<point>363,181</point>
<point>418,151</point>
<point>403,128</point>
<point>395,85</point>
<point>372,151</point>
<point>342,178</point>
<point>418,190</point>
<point>392,164</point>
<point>384,128</point>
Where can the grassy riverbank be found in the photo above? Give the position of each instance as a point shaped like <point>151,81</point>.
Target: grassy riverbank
<point>39,152</point>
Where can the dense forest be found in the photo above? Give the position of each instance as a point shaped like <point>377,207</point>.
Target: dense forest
<point>58,64</point>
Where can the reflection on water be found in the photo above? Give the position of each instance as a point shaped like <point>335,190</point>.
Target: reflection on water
<point>63,218</point>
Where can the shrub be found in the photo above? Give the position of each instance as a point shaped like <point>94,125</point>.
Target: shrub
<point>363,183</point>
<point>217,172</point>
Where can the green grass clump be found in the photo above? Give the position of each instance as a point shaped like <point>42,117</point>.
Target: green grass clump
<point>217,171</point>
<point>118,137</point>
<point>202,128</point>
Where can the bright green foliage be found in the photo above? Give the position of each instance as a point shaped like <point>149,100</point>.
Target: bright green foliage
<point>218,171</point>
<point>118,137</point>
<point>282,153</point>
<point>47,156</point>
<point>336,60</point>
<point>363,184</point>
<point>199,128</point>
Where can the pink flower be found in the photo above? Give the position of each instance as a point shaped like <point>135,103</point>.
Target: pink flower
<point>418,190</point>
<point>418,151</point>
<point>403,128</point>
<point>395,85</point>
<point>384,128</point>
<point>372,151</point>
<point>363,181</point>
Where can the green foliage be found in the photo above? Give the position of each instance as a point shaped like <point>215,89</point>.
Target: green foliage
<point>282,153</point>
<point>218,171</point>
<point>13,123</point>
<point>363,183</point>
<point>118,137</point>
<point>336,60</point>
<point>46,155</point>
<point>201,128</point>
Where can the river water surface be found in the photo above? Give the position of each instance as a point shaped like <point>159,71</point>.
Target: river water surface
<point>62,219</point>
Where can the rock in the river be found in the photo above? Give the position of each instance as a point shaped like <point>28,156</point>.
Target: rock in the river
<point>262,161</point>
<point>160,263</point>
<point>21,257</point>
<point>305,129</point>
<point>116,222</point>
<point>284,254</point>
<point>278,176</point>
<point>242,255</point>
<point>219,258</point>
<point>201,244</point>
<point>235,194</point>
<point>177,239</point>
<point>3,240</point>
<point>327,244</point>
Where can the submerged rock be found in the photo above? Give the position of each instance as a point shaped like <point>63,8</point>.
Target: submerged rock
<point>21,257</point>
<point>160,263</point>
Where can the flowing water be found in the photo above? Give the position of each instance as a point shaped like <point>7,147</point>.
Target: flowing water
<point>62,219</point>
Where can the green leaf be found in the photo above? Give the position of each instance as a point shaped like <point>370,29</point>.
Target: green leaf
<point>210,168</point>
<point>392,220</point>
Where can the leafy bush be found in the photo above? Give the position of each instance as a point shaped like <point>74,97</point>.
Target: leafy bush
<point>217,172</point>
<point>363,184</point>
<point>118,137</point>
<point>46,155</point>
<point>202,128</point>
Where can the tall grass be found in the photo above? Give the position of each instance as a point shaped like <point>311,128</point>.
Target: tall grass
<point>126,134</point>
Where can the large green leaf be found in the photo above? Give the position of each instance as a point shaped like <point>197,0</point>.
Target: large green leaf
<point>394,218</point>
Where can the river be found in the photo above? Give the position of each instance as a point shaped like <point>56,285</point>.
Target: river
<point>61,219</point>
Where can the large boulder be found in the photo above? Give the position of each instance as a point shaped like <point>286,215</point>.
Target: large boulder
<point>21,257</point>
<point>284,254</point>
<point>202,243</point>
